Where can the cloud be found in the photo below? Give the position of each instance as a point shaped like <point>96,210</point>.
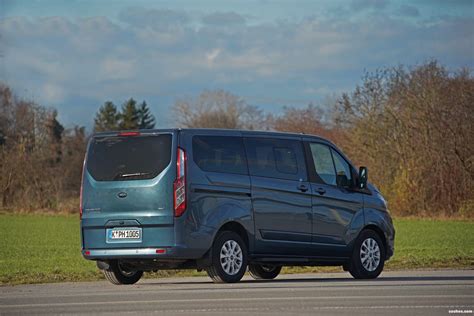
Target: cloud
<point>212,55</point>
<point>359,5</point>
<point>159,55</point>
<point>408,10</point>
<point>117,69</point>
<point>223,19</point>
<point>454,3</point>
<point>97,25</point>
<point>51,93</point>
<point>154,18</point>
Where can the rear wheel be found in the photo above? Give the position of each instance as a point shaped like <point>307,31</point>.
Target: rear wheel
<point>118,273</point>
<point>368,257</point>
<point>229,258</point>
<point>263,271</point>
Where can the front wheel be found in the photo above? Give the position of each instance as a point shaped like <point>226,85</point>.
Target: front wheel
<point>368,257</point>
<point>117,273</point>
<point>229,258</point>
<point>263,271</point>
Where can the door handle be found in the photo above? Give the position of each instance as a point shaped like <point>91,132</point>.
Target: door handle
<point>321,191</point>
<point>302,187</point>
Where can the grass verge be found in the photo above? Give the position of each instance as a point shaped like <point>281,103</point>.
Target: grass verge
<point>46,248</point>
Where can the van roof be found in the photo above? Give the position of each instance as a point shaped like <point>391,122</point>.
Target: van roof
<point>217,130</point>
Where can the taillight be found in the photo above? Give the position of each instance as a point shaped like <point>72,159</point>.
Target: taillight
<point>179,186</point>
<point>129,134</point>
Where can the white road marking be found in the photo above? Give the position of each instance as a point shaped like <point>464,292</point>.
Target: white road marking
<point>230,299</point>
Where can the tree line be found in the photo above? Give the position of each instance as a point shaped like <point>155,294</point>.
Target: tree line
<point>40,160</point>
<point>413,128</point>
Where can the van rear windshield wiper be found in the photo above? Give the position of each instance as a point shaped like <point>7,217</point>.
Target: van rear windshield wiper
<point>131,175</point>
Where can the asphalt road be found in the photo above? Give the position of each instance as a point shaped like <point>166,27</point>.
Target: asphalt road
<point>394,293</point>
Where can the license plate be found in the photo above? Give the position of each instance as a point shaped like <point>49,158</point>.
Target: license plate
<point>124,235</point>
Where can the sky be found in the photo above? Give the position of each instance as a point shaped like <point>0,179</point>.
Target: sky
<point>74,55</point>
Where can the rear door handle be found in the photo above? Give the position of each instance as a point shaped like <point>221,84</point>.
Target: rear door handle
<point>321,191</point>
<point>302,187</point>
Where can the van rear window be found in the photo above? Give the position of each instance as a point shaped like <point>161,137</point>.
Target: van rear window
<point>128,158</point>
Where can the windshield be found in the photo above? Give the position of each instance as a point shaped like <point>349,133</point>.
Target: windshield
<point>128,158</point>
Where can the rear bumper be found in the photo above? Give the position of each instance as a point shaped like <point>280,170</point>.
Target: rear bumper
<point>143,253</point>
<point>122,253</point>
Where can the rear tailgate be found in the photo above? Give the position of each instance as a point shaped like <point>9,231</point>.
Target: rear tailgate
<point>128,186</point>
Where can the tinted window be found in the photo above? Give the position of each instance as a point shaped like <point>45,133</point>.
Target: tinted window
<point>128,158</point>
<point>343,170</point>
<point>274,158</point>
<point>323,163</point>
<point>285,160</point>
<point>219,154</point>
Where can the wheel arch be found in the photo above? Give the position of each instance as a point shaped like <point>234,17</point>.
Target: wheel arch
<point>236,227</point>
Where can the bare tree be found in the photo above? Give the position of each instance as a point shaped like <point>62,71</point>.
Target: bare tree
<point>218,109</point>
<point>35,157</point>
<point>308,120</point>
<point>413,127</point>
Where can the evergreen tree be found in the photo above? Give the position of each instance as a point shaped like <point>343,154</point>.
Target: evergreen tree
<point>129,115</point>
<point>55,134</point>
<point>146,120</point>
<point>107,118</point>
<point>55,128</point>
<point>2,138</point>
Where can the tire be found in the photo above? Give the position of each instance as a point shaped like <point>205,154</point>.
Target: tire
<point>368,257</point>
<point>229,258</point>
<point>118,275</point>
<point>264,272</point>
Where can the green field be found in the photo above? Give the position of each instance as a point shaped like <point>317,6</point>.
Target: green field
<point>46,248</point>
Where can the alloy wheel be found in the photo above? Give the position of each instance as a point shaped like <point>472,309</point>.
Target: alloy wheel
<point>370,254</point>
<point>231,257</point>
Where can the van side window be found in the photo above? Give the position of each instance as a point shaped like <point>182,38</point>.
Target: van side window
<point>220,154</point>
<point>323,163</point>
<point>343,170</point>
<point>285,160</point>
<point>275,158</point>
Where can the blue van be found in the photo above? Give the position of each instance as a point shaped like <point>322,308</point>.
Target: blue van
<point>224,200</point>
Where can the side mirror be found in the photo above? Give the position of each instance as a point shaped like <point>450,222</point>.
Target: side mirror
<point>363,177</point>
